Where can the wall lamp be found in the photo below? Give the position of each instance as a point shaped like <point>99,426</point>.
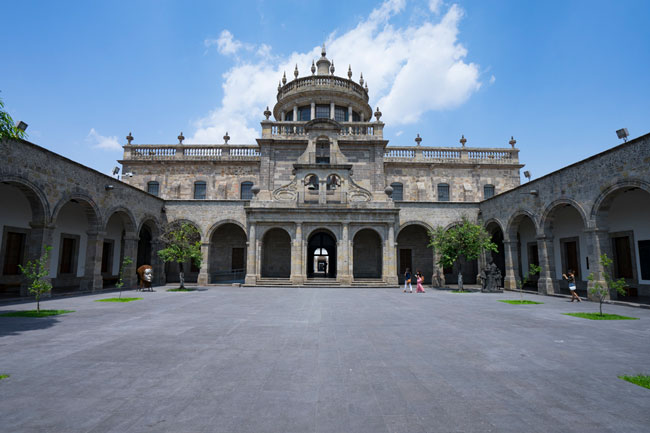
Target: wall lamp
<point>21,125</point>
<point>108,187</point>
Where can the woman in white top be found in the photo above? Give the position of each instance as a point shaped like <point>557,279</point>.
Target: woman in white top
<point>571,278</point>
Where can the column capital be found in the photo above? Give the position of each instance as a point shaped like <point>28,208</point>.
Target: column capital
<point>544,238</point>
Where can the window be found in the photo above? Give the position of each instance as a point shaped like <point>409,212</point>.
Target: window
<point>304,113</point>
<point>288,117</point>
<point>153,188</point>
<point>356,117</point>
<point>398,191</point>
<point>199,190</point>
<point>245,191</point>
<point>322,112</point>
<point>322,152</point>
<point>443,192</point>
<point>488,191</point>
<point>340,114</point>
<point>67,259</point>
<point>14,253</point>
<point>644,259</point>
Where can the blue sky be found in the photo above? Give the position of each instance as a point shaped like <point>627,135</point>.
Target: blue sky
<point>561,76</point>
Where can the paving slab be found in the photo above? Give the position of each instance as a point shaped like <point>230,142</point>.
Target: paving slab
<point>255,359</point>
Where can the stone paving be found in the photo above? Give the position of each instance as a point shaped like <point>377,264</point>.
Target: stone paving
<point>226,359</point>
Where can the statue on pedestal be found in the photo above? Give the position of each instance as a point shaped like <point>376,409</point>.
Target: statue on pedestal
<point>490,277</point>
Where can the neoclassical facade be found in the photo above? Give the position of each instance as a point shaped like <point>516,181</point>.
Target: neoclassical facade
<point>322,199</point>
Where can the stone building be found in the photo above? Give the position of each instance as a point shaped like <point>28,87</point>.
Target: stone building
<point>322,199</point>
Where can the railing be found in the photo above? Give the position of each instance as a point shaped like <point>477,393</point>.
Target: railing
<point>449,154</point>
<point>191,152</point>
<point>329,81</point>
<point>349,129</point>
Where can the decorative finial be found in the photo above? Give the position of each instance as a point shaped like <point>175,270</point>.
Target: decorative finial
<point>349,72</point>
<point>418,139</point>
<point>180,138</point>
<point>129,139</point>
<point>378,114</point>
<point>295,71</point>
<point>267,113</point>
<point>279,85</point>
<point>226,138</point>
<point>366,87</point>
<point>332,67</point>
<point>313,67</point>
<point>284,78</point>
<point>512,141</point>
<point>463,140</point>
<point>322,52</point>
<point>361,79</point>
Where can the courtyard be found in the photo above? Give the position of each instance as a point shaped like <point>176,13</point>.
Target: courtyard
<point>229,359</point>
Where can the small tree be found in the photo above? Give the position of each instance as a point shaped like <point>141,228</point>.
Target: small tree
<point>120,282</point>
<point>601,292</point>
<point>533,269</point>
<point>466,240</point>
<point>7,127</point>
<point>36,272</point>
<point>182,243</point>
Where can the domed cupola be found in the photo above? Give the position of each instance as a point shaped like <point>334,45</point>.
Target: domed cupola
<point>323,64</point>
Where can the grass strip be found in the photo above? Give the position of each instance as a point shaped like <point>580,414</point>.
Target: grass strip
<point>181,290</point>
<point>118,299</point>
<point>519,302</point>
<point>597,316</point>
<point>641,380</point>
<point>460,291</point>
<point>34,313</point>
<point>4,376</point>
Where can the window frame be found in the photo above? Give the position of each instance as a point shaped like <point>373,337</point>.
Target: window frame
<point>205,189</point>
<point>152,183</point>
<point>401,191</point>
<point>487,187</point>
<point>249,184</point>
<point>440,186</point>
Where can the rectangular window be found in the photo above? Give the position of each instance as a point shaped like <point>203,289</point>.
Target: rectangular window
<point>14,253</point>
<point>68,254</point>
<point>304,114</point>
<point>443,192</point>
<point>644,259</point>
<point>288,117</point>
<point>341,114</point>
<point>199,190</point>
<point>153,188</point>
<point>488,191</point>
<point>622,257</point>
<point>322,111</point>
<point>246,193</point>
<point>398,191</point>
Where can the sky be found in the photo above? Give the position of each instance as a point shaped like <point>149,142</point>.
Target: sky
<point>560,76</point>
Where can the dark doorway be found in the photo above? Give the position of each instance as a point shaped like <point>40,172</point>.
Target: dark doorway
<point>404,262</point>
<point>414,252</point>
<point>227,257</point>
<point>571,256</point>
<point>367,254</point>
<point>622,257</point>
<point>276,254</point>
<point>321,256</point>
<point>144,247</point>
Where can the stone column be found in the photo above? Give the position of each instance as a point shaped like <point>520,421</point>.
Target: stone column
<point>92,278</point>
<point>258,261</point>
<point>438,273</point>
<point>343,257</point>
<point>350,113</point>
<point>332,110</point>
<point>203,278</point>
<point>282,116</point>
<point>598,242</point>
<point>510,279</point>
<point>322,191</point>
<point>40,235</point>
<point>389,262</point>
<point>546,283</point>
<point>159,277</point>
<point>295,113</point>
<point>251,250</point>
<point>313,111</point>
<point>130,250</point>
<point>298,273</point>
<point>351,257</point>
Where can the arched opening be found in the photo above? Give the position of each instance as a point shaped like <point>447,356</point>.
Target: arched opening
<point>114,247</point>
<point>19,241</point>
<point>367,255</point>
<point>190,269</point>
<point>144,247</point>
<point>413,252</point>
<point>469,269</point>
<point>624,214</point>
<point>321,255</point>
<point>498,257</point>
<point>565,226</point>
<point>276,254</point>
<point>522,230</point>
<point>227,258</point>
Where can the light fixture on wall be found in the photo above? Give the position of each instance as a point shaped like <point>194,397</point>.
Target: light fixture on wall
<point>527,175</point>
<point>108,187</point>
<point>116,170</point>
<point>21,125</point>
<point>622,133</point>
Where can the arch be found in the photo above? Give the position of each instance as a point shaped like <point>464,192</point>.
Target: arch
<point>188,221</point>
<point>191,271</point>
<point>321,239</point>
<point>35,196</point>
<point>215,226</point>
<point>515,219</point>
<point>311,181</point>
<point>427,226</point>
<point>604,200</point>
<point>227,253</point>
<point>358,229</point>
<point>276,253</point>
<point>547,216</point>
<point>493,221</point>
<point>413,251</point>
<point>494,228</point>
<point>91,209</point>
<point>151,221</point>
<point>125,215</point>
<point>367,253</point>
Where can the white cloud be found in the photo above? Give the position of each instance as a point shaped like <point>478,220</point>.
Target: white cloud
<point>410,70</point>
<point>398,133</point>
<point>102,142</point>
<point>492,79</point>
<point>226,43</point>
<point>435,5</point>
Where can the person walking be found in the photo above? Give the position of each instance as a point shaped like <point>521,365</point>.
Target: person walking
<point>420,280</point>
<point>407,281</point>
<point>571,278</point>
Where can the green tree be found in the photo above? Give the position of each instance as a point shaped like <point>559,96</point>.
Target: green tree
<point>601,292</point>
<point>533,269</point>
<point>7,127</point>
<point>36,272</point>
<point>466,239</point>
<point>182,242</point>
<point>120,282</point>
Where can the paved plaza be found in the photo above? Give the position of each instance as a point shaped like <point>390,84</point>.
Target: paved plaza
<point>229,359</point>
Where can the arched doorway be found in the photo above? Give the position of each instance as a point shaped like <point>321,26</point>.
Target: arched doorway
<point>413,252</point>
<point>190,269</point>
<point>227,258</point>
<point>276,254</point>
<point>498,257</point>
<point>367,255</point>
<point>321,255</point>
<point>144,246</point>
<point>522,230</point>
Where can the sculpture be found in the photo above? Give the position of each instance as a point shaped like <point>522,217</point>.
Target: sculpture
<point>490,278</point>
<point>145,275</point>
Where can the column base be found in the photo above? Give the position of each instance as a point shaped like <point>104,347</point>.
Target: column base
<point>345,280</point>
<point>392,280</point>
<point>546,286</point>
<point>297,280</point>
<point>202,279</point>
<point>510,283</point>
<point>250,280</point>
